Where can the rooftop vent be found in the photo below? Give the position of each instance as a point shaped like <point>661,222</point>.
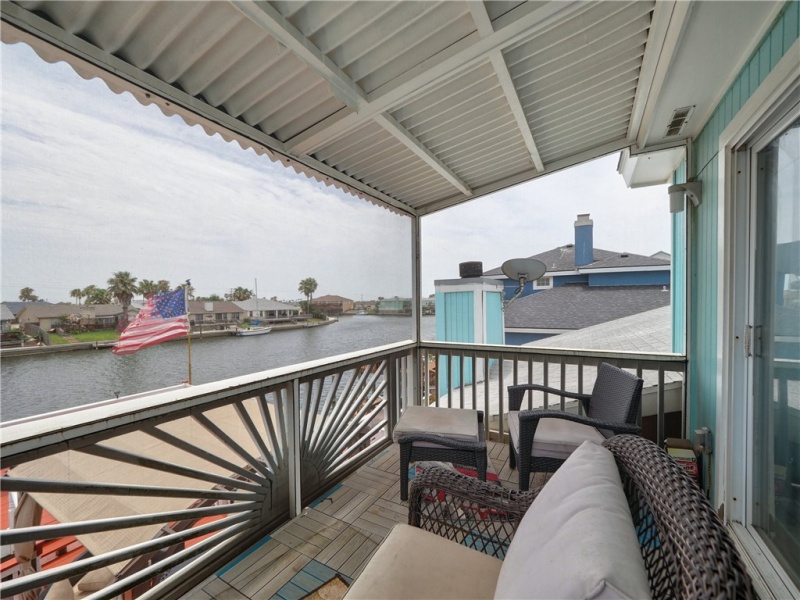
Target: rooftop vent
<point>470,269</point>
<point>678,121</point>
<point>569,246</point>
<point>624,255</point>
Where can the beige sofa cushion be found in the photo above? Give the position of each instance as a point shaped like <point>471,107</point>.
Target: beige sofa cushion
<point>454,423</point>
<point>413,563</point>
<point>577,540</point>
<point>554,438</point>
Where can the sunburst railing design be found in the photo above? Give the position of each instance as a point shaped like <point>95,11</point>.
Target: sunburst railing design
<point>140,498</point>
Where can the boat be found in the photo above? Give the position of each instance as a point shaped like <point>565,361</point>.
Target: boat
<point>253,331</point>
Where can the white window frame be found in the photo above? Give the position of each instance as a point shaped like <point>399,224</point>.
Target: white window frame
<point>734,407</point>
<point>537,285</point>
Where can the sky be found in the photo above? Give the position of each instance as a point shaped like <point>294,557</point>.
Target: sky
<point>94,183</point>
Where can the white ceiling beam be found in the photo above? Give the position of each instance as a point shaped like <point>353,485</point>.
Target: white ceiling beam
<point>412,143</point>
<point>668,22</point>
<point>271,21</point>
<point>529,175</point>
<point>520,24</point>
<point>484,24</point>
<point>481,17</point>
<point>504,77</point>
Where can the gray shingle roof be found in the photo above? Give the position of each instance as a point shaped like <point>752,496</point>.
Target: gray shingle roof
<point>5,313</point>
<point>198,307</point>
<point>18,307</point>
<point>563,259</point>
<point>648,332</point>
<point>575,306</point>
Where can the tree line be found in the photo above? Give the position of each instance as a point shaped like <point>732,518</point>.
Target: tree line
<point>122,287</point>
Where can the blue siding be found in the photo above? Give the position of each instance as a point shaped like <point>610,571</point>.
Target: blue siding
<point>703,268</point>
<point>557,281</point>
<point>640,278</point>
<point>517,339</point>
<point>510,288</point>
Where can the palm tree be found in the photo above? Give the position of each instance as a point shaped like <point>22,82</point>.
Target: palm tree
<point>189,290</point>
<point>98,296</point>
<point>147,287</point>
<point>239,294</point>
<point>26,295</point>
<point>77,293</point>
<point>162,286</point>
<point>123,288</point>
<point>307,287</point>
<point>88,291</point>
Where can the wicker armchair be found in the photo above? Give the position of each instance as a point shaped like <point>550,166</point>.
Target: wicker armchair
<point>687,550</point>
<point>541,440</point>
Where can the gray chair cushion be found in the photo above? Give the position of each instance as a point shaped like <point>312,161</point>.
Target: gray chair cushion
<point>554,438</point>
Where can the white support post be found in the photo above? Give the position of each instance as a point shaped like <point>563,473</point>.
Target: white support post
<point>293,459</point>
<point>416,310</point>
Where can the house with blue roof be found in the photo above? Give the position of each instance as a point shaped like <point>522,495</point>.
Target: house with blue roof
<point>583,286</point>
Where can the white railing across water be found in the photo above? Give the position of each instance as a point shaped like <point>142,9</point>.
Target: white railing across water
<point>152,493</point>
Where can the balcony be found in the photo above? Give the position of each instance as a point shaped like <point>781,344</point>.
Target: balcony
<point>164,490</point>
<point>425,107</point>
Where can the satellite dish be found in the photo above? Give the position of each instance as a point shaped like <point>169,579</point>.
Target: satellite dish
<point>528,269</point>
<point>522,270</point>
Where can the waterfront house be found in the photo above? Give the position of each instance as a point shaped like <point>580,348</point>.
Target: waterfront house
<point>49,316</point>
<point>221,313</point>
<point>418,107</point>
<point>270,310</point>
<point>332,305</point>
<point>394,306</point>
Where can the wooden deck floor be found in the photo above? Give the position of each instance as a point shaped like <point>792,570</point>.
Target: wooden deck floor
<point>337,534</point>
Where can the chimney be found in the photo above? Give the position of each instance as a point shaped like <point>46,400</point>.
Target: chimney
<point>584,241</point>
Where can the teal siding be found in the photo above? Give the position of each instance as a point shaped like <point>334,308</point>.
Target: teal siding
<point>454,319</point>
<point>494,318</point>
<point>703,267</point>
<point>678,287</point>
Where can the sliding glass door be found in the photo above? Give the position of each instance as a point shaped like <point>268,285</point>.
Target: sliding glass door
<point>775,352</point>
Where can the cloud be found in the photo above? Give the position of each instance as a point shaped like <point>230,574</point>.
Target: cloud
<point>95,183</point>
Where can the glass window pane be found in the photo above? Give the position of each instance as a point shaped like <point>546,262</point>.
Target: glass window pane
<point>776,444</point>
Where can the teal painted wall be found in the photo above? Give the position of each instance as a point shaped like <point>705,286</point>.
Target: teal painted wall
<point>494,318</point>
<point>703,267</point>
<point>678,287</point>
<point>454,323</point>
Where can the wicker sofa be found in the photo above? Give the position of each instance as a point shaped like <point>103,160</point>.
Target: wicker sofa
<point>617,520</point>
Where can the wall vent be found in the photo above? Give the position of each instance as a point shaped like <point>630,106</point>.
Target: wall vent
<point>677,123</point>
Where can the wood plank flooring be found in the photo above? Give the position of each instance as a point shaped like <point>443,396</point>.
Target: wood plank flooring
<point>337,534</point>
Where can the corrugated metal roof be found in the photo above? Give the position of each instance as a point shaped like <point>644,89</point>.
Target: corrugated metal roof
<point>414,105</point>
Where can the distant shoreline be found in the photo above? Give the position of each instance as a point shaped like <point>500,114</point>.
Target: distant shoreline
<point>72,347</point>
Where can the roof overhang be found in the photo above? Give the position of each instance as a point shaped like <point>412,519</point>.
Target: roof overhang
<point>416,106</point>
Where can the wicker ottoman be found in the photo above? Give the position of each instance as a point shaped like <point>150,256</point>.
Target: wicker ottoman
<point>441,434</point>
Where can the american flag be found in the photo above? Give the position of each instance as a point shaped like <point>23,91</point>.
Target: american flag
<point>164,317</point>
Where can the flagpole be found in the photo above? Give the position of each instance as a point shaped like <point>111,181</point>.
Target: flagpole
<point>188,328</point>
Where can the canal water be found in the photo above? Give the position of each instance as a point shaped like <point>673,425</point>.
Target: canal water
<point>33,385</point>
